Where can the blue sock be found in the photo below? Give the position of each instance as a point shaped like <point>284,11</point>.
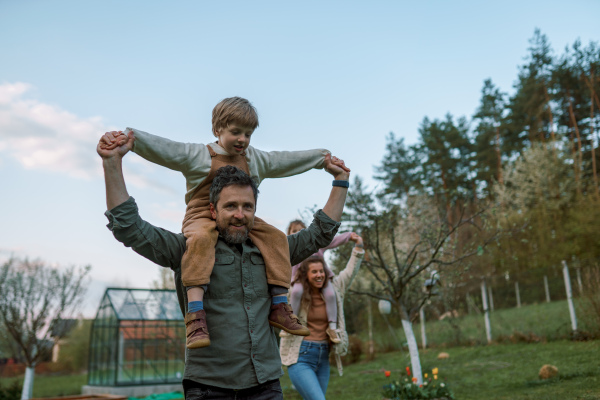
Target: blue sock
<point>279,299</point>
<point>194,306</point>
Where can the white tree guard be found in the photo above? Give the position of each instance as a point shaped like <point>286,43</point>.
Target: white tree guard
<point>413,350</point>
<point>569,296</point>
<point>27,392</point>
<point>486,312</point>
<point>547,289</point>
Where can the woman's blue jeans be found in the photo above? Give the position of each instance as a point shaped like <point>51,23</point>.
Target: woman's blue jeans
<point>310,375</point>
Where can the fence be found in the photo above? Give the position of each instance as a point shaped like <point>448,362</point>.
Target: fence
<point>529,306</point>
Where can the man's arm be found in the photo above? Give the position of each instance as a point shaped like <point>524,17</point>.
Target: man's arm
<point>112,162</point>
<point>156,244</point>
<point>335,204</point>
<point>326,222</point>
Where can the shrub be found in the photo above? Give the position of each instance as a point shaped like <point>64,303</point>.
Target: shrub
<point>11,392</point>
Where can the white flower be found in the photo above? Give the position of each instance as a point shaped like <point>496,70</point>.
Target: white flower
<point>442,385</point>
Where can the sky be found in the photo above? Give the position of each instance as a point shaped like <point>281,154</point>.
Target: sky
<point>339,75</point>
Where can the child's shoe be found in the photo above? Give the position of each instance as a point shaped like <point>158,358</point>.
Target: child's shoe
<point>283,317</point>
<point>195,330</point>
<point>333,336</point>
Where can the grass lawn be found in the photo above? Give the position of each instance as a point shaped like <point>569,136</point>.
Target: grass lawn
<point>503,371</point>
<point>54,385</point>
<point>507,371</point>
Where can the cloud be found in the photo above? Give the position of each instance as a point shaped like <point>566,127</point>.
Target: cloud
<point>45,137</point>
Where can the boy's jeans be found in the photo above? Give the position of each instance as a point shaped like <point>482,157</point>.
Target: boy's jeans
<point>310,375</point>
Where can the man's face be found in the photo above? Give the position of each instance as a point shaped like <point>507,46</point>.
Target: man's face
<point>234,213</point>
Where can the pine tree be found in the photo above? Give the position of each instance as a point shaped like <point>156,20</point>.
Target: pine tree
<point>488,141</point>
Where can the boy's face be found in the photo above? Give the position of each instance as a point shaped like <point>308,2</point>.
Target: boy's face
<point>234,138</point>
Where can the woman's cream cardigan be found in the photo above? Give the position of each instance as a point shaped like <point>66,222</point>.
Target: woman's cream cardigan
<point>289,347</point>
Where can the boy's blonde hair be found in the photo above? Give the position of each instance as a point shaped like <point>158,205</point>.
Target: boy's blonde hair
<point>234,110</point>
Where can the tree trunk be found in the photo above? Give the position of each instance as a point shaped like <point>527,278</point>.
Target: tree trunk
<point>576,129</point>
<point>575,169</point>
<point>27,392</point>
<point>518,294</point>
<point>423,333</point>
<point>413,350</point>
<point>499,157</point>
<point>546,289</point>
<point>551,118</point>
<point>593,139</point>
<point>371,344</point>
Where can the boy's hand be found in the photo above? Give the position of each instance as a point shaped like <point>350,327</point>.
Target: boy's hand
<point>113,139</point>
<point>337,168</point>
<point>114,143</point>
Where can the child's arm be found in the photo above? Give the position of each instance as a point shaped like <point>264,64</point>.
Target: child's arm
<point>339,240</point>
<point>280,164</point>
<point>188,158</point>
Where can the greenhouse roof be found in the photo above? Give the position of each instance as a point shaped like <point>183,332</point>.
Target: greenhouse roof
<point>143,304</point>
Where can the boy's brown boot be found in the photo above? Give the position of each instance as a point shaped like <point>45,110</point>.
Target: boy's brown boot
<point>195,330</point>
<point>333,336</point>
<point>283,317</point>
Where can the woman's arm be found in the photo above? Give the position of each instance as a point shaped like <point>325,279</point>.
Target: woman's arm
<point>344,279</point>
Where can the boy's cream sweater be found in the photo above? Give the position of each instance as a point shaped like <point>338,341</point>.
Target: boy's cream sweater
<point>193,159</point>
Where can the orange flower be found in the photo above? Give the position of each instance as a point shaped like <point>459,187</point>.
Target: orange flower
<point>408,371</point>
<point>426,375</point>
<point>414,379</point>
<point>388,373</point>
<point>435,377</point>
<point>435,371</point>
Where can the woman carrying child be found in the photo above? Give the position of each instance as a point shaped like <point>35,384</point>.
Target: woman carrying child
<point>328,292</point>
<point>307,358</point>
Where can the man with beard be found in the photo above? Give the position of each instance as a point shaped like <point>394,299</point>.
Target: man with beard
<point>243,359</point>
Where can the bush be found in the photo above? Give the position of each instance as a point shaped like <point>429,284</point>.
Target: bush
<point>11,392</point>
<point>355,350</point>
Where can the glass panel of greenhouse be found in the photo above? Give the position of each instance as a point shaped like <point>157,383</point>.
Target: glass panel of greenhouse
<point>137,338</point>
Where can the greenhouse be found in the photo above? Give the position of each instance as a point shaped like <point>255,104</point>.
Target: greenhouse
<point>137,338</point>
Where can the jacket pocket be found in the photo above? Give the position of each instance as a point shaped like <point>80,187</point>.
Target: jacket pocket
<point>259,276</point>
<point>222,279</point>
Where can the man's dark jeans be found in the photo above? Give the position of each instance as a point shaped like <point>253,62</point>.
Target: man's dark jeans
<point>270,390</point>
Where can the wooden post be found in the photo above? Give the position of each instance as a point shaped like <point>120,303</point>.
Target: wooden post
<point>518,294</point>
<point>579,283</point>
<point>422,320</point>
<point>491,298</point>
<point>486,312</point>
<point>547,289</point>
<point>469,305</point>
<point>569,296</point>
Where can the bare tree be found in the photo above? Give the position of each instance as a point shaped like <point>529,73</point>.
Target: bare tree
<point>35,297</point>
<point>410,246</point>
<point>166,279</point>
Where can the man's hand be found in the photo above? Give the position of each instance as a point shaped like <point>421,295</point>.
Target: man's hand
<point>115,144</point>
<point>337,168</point>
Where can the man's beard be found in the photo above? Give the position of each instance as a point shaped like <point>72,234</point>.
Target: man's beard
<point>232,235</point>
